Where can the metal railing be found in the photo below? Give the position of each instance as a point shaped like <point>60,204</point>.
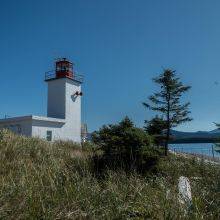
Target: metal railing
<point>52,75</point>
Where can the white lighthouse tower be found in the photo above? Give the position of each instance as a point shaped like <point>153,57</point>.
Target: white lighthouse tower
<point>64,99</point>
<point>63,121</point>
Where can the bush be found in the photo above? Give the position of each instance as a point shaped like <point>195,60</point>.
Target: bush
<point>125,146</point>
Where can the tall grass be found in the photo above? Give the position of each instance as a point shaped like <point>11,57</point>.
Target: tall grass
<point>41,180</point>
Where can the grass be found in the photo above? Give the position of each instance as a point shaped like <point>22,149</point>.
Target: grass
<point>41,180</point>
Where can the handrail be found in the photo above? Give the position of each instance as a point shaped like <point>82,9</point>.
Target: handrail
<point>50,75</point>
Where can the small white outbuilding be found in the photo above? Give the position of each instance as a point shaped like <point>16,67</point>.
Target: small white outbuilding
<point>63,121</point>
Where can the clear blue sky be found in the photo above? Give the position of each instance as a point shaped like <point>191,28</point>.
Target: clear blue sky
<point>119,45</point>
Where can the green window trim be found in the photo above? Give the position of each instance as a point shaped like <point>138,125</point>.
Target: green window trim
<point>49,135</point>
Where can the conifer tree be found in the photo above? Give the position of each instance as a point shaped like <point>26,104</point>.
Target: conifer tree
<point>167,102</point>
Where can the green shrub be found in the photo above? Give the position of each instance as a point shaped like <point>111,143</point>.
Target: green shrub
<point>125,146</point>
<point>89,147</point>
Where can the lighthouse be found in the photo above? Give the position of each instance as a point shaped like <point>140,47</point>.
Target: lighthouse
<point>64,97</point>
<point>63,120</point>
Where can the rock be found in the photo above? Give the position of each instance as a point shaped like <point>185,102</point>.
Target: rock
<point>185,196</point>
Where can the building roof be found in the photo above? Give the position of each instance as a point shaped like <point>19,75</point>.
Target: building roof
<point>32,117</point>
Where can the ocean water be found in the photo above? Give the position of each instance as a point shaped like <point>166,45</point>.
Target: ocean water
<point>200,148</point>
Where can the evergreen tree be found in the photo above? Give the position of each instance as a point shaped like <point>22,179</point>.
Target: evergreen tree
<point>167,101</point>
<point>125,146</point>
<point>155,127</point>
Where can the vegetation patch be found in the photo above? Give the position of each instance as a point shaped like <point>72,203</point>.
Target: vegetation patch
<point>125,147</point>
<point>39,180</point>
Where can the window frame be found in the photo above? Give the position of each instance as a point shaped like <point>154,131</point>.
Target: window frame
<point>49,135</point>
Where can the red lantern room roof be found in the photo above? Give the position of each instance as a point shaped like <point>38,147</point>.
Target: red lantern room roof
<point>63,69</point>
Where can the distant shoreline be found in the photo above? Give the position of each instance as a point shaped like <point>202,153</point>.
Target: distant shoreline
<point>206,158</point>
<point>194,140</point>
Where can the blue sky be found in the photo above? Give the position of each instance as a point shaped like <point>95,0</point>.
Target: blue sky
<point>119,45</point>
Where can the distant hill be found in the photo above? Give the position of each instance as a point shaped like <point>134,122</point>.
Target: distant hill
<point>199,136</point>
<point>181,134</point>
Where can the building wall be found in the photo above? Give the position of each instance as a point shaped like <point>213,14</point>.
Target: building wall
<point>62,103</point>
<point>40,128</point>
<point>19,127</point>
<point>73,111</point>
<point>56,105</point>
<point>35,128</point>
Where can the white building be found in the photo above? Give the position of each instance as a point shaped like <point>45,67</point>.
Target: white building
<point>63,121</point>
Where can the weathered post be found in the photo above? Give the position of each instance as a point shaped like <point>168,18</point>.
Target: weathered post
<point>213,152</point>
<point>185,195</point>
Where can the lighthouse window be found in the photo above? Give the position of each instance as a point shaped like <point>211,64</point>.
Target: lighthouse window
<point>49,135</point>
